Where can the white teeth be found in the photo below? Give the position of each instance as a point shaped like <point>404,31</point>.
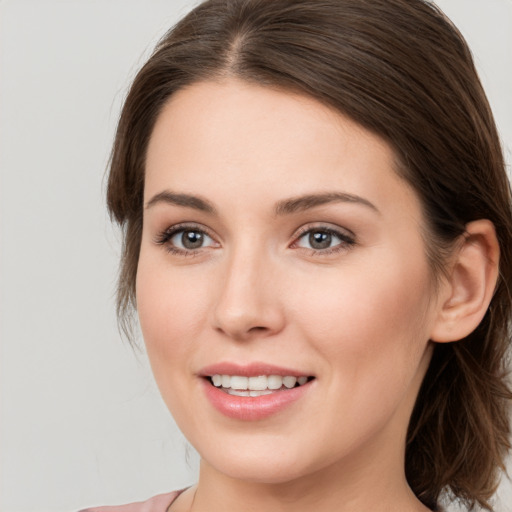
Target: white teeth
<point>275,381</point>
<point>237,393</point>
<point>239,382</point>
<point>260,393</point>
<point>258,383</point>
<point>289,382</point>
<point>255,386</point>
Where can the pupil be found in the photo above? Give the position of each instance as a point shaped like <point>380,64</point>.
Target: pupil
<point>320,240</point>
<point>192,239</point>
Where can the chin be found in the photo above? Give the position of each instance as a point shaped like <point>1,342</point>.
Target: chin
<point>261,472</point>
<point>274,463</point>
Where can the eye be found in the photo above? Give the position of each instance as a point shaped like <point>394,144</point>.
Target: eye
<point>191,239</point>
<point>185,239</point>
<point>325,240</point>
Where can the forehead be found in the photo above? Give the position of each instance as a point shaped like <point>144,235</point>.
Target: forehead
<point>218,136</point>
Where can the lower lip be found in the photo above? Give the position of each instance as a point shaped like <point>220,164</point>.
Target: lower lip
<point>253,408</point>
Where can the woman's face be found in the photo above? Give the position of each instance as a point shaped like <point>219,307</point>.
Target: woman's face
<point>278,241</point>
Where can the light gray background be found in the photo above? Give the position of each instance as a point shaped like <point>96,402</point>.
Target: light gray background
<point>81,420</point>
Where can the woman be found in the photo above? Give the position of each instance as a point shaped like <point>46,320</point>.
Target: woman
<point>318,239</point>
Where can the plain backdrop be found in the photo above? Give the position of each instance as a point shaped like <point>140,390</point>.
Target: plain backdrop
<point>82,422</point>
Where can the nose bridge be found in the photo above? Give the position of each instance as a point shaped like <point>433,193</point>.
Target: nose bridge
<point>247,303</point>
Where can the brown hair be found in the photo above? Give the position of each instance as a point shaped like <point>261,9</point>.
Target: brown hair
<point>403,71</point>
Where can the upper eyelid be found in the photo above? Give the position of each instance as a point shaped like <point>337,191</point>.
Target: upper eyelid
<point>188,226</point>
<point>325,226</point>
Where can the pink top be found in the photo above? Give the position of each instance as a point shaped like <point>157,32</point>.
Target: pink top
<point>159,503</point>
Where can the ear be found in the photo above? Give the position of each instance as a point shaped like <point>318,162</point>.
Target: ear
<point>471,282</point>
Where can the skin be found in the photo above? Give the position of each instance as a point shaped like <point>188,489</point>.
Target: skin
<point>357,316</point>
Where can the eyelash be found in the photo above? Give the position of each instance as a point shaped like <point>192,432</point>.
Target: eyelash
<point>346,240</point>
<point>165,237</point>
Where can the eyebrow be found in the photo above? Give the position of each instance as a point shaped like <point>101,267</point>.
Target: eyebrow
<point>303,203</point>
<point>284,207</point>
<point>187,200</point>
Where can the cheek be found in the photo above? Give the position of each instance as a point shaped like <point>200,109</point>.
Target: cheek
<point>171,314</point>
<point>170,309</point>
<point>371,324</point>
<point>371,335</point>
<point>355,300</point>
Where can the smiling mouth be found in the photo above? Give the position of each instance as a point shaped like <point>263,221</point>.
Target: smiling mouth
<point>239,385</point>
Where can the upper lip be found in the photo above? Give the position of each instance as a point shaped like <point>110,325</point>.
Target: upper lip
<point>249,370</point>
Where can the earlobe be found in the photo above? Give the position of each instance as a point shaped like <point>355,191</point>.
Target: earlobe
<point>471,282</point>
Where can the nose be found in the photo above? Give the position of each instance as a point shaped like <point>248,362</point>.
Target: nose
<point>248,303</point>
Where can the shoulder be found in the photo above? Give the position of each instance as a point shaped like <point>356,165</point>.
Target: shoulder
<point>159,503</point>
